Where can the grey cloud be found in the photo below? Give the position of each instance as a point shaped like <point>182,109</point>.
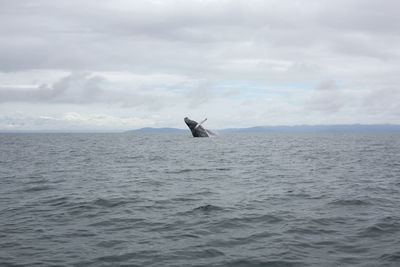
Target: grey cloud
<point>75,88</point>
<point>200,94</point>
<point>365,16</point>
<point>362,46</point>
<point>83,88</point>
<point>385,100</point>
<point>193,38</point>
<point>204,93</point>
<point>230,92</point>
<point>327,98</point>
<point>329,85</point>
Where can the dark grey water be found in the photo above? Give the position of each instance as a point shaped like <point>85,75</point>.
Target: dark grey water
<point>173,200</point>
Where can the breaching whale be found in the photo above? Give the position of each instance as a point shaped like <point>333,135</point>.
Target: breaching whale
<point>196,128</point>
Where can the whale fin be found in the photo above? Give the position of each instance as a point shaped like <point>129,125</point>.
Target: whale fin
<point>200,123</point>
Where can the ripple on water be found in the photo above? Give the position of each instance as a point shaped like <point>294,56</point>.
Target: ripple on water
<point>383,226</point>
<point>37,188</point>
<point>350,202</point>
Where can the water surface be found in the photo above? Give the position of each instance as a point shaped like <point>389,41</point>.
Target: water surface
<point>172,200</point>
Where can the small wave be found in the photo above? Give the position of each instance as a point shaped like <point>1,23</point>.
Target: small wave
<point>249,239</point>
<point>347,202</point>
<point>255,218</point>
<point>58,201</point>
<point>223,169</point>
<point>207,208</point>
<point>188,170</point>
<point>38,188</point>
<point>197,170</point>
<point>349,248</point>
<point>387,225</point>
<point>37,179</point>
<point>109,203</point>
<point>120,258</point>
<point>304,231</point>
<point>205,192</point>
<point>391,257</point>
<point>79,233</point>
<point>328,221</point>
<point>184,199</point>
<point>156,158</point>
<point>229,224</point>
<point>372,231</point>
<point>77,208</point>
<point>272,263</point>
<point>116,222</point>
<point>189,236</point>
<point>205,253</point>
<point>301,195</point>
<point>202,209</point>
<point>132,157</point>
<point>110,243</point>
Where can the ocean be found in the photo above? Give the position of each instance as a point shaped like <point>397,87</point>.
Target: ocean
<point>243,199</point>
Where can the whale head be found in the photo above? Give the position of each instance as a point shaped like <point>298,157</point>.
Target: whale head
<point>191,124</point>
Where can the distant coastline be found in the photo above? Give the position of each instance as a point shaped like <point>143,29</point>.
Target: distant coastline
<point>359,128</point>
<point>158,130</point>
<point>334,128</point>
<point>320,128</point>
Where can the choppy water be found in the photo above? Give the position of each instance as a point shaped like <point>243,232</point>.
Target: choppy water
<point>173,200</point>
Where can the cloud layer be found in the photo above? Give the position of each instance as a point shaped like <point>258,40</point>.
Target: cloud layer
<point>304,61</point>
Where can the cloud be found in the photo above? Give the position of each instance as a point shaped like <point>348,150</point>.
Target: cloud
<point>230,93</point>
<point>71,121</point>
<point>200,94</point>
<point>328,98</point>
<point>195,38</point>
<point>384,101</point>
<point>85,88</point>
<point>74,88</point>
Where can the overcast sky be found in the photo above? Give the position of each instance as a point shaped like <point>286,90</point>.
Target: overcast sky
<point>129,64</point>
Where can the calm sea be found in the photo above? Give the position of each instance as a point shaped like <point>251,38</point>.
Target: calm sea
<point>173,200</point>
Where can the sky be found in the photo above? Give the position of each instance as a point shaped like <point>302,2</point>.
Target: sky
<point>123,64</point>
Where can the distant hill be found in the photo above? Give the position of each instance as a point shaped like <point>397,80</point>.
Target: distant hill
<point>157,130</point>
<point>346,128</point>
<point>61,131</point>
<point>320,128</point>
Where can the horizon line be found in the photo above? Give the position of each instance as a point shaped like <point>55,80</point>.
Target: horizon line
<point>183,129</point>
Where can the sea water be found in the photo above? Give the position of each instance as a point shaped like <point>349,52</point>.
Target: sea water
<point>172,200</point>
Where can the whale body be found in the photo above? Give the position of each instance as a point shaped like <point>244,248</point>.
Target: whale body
<point>196,128</point>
